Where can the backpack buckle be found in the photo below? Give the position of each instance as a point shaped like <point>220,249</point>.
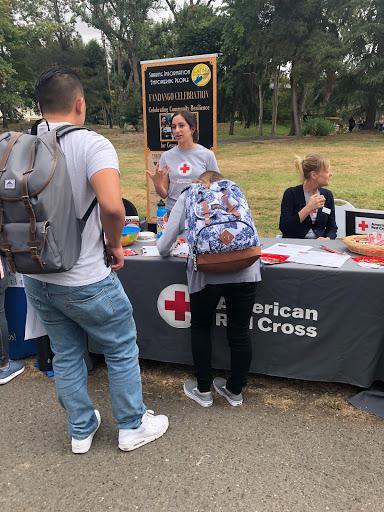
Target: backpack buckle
<point>9,256</point>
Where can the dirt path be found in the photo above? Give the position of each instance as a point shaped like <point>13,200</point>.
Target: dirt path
<point>291,447</point>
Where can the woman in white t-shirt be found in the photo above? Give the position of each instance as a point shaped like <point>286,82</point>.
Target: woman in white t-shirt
<point>185,162</point>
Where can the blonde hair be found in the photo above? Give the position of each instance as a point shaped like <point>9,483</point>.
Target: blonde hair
<point>310,163</point>
<point>209,177</point>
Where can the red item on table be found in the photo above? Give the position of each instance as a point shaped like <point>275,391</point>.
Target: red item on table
<point>370,259</point>
<point>328,249</point>
<point>272,259</point>
<point>129,252</point>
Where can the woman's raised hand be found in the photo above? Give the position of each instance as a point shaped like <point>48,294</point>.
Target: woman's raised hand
<point>159,174</point>
<point>160,179</point>
<point>316,201</point>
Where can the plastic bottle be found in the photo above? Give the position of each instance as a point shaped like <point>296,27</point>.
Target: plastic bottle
<point>44,353</point>
<point>162,217</point>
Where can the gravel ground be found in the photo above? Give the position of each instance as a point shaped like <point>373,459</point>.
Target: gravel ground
<point>293,446</point>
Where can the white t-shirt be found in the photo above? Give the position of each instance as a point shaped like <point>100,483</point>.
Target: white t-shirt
<point>86,153</point>
<point>185,165</point>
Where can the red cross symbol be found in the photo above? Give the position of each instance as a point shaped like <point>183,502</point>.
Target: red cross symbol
<point>363,225</point>
<point>180,306</point>
<point>185,168</point>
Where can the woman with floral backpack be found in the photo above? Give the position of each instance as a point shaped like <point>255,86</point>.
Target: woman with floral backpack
<point>213,197</point>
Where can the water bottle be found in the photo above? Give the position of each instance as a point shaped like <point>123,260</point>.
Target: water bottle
<point>44,354</point>
<point>162,217</point>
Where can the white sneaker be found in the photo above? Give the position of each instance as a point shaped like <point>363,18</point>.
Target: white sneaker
<point>83,445</point>
<point>152,427</point>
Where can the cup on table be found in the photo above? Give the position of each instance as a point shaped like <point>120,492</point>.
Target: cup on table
<point>132,219</point>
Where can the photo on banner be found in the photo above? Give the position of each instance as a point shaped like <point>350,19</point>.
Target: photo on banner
<point>170,85</point>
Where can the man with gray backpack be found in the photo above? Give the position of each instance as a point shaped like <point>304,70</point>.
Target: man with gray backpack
<point>59,191</point>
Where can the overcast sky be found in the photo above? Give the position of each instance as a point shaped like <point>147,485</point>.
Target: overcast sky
<point>88,33</point>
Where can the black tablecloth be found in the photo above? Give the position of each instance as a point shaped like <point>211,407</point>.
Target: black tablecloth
<point>309,322</point>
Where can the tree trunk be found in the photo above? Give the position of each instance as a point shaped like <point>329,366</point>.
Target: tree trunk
<point>120,92</point>
<point>295,108</point>
<point>301,105</point>
<point>231,123</point>
<point>134,67</point>
<point>108,108</point>
<point>261,109</point>
<point>370,113</point>
<point>275,100</point>
<point>330,85</point>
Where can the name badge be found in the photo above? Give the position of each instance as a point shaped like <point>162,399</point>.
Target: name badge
<point>326,210</point>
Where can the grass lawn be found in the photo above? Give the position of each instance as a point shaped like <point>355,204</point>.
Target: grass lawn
<point>252,131</point>
<point>265,169</point>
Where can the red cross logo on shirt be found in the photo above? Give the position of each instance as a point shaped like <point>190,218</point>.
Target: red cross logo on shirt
<point>185,169</point>
<point>363,225</point>
<point>174,306</point>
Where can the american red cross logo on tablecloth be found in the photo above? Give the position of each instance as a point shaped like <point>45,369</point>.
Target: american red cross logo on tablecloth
<point>180,306</point>
<point>363,225</point>
<point>174,306</point>
<point>185,169</point>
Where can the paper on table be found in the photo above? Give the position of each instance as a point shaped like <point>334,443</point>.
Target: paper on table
<point>150,250</point>
<point>365,264</point>
<point>320,259</point>
<point>287,249</point>
<point>181,250</point>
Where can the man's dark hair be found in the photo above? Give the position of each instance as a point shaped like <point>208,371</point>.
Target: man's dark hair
<point>56,90</point>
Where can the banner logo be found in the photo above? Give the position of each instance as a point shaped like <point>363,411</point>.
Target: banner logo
<point>201,75</point>
<point>10,184</point>
<point>174,306</point>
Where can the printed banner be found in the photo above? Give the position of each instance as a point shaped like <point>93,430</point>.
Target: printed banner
<point>169,85</point>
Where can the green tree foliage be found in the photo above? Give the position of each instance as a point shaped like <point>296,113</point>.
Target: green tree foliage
<point>361,86</point>
<point>321,57</point>
<point>199,30</point>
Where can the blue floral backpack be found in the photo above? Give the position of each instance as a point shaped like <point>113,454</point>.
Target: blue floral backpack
<point>221,233</point>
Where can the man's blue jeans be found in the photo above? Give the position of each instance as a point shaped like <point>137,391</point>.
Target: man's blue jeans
<point>101,310</point>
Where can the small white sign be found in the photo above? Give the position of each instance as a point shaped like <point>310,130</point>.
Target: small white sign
<point>364,225</point>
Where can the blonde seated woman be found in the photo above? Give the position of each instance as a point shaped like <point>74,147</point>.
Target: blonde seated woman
<point>308,210</point>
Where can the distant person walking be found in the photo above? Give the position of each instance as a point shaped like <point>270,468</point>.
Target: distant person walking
<point>352,124</point>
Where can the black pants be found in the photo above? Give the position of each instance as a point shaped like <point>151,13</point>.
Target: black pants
<point>239,300</point>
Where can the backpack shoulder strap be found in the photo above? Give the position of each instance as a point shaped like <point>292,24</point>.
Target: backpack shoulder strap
<point>89,211</point>
<point>69,128</point>
<point>12,141</point>
<point>185,190</point>
<point>33,130</point>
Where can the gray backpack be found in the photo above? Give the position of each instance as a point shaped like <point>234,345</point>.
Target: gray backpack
<point>39,230</point>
